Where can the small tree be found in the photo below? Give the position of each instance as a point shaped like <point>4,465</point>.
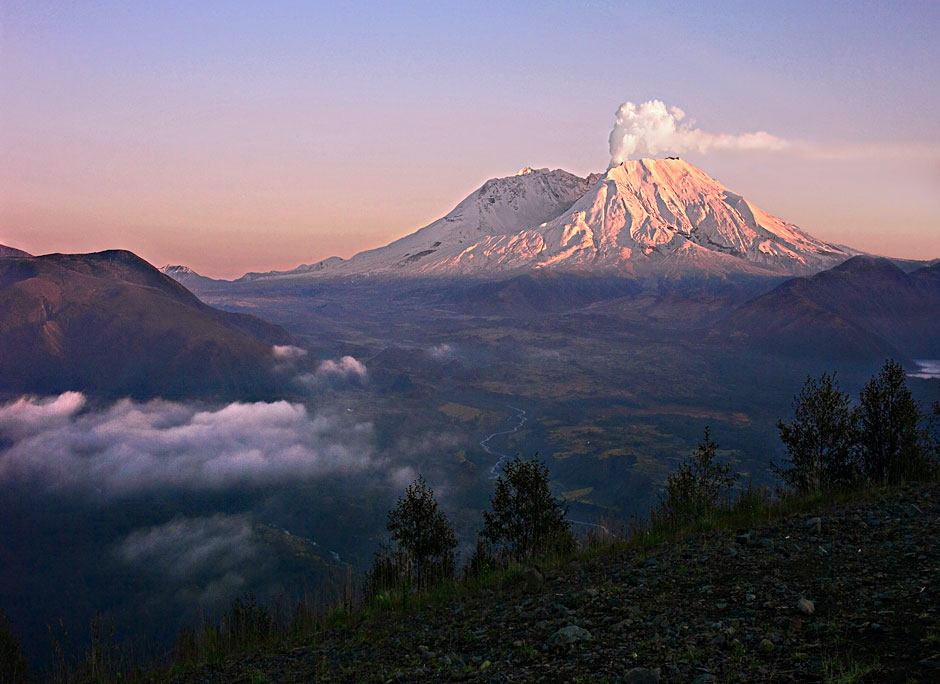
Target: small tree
<point>525,521</point>
<point>698,486</point>
<point>820,440</point>
<point>425,542</point>
<point>890,437</point>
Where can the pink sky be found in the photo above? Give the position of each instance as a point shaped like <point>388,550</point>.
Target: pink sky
<point>233,137</point>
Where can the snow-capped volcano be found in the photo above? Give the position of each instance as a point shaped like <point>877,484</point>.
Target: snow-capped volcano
<point>643,217</point>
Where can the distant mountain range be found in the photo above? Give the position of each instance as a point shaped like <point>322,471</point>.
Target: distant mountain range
<point>862,308</point>
<point>648,217</point>
<point>111,323</point>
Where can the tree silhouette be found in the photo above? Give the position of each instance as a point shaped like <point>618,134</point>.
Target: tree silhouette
<point>698,486</point>
<point>525,521</point>
<point>425,542</point>
<point>890,438</point>
<point>820,440</point>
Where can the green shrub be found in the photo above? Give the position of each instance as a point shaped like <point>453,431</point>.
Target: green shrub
<point>246,622</point>
<point>390,570</point>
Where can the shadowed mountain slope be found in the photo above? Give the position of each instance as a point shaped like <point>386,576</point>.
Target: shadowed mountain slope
<point>866,307</point>
<point>12,252</point>
<point>110,323</point>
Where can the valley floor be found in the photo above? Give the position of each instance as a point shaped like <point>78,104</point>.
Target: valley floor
<point>713,607</point>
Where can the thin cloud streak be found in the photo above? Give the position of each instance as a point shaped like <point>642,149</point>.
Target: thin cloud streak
<point>203,561</point>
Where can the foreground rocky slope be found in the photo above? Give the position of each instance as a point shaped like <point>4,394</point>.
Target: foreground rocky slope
<point>848,593</point>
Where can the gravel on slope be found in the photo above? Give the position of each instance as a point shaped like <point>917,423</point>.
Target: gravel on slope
<point>847,594</point>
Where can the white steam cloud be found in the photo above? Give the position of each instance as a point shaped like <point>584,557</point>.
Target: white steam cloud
<point>131,447</point>
<point>650,129</point>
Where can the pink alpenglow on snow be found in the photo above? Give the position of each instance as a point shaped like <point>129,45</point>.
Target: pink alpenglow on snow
<point>642,217</point>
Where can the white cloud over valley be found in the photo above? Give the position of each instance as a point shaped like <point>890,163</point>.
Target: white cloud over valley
<point>130,447</point>
<point>204,560</point>
<point>332,372</point>
<point>442,352</point>
<point>185,547</point>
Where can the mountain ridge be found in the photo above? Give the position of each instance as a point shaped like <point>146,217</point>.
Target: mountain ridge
<point>865,307</point>
<point>647,217</point>
<point>111,323</point>
<point>633,613</point>
<point>6,251</point>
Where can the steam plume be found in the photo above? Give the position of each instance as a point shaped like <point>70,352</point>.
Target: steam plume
<point>651,129</point>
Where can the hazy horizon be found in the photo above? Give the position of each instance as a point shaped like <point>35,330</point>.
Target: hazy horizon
<point>235,137</point>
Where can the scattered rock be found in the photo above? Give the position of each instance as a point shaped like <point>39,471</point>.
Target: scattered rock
<point>806,606</point>
<point>533,579</point>
<point>765,646</point>
<point>571,634</point>
<point>641,675</point>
